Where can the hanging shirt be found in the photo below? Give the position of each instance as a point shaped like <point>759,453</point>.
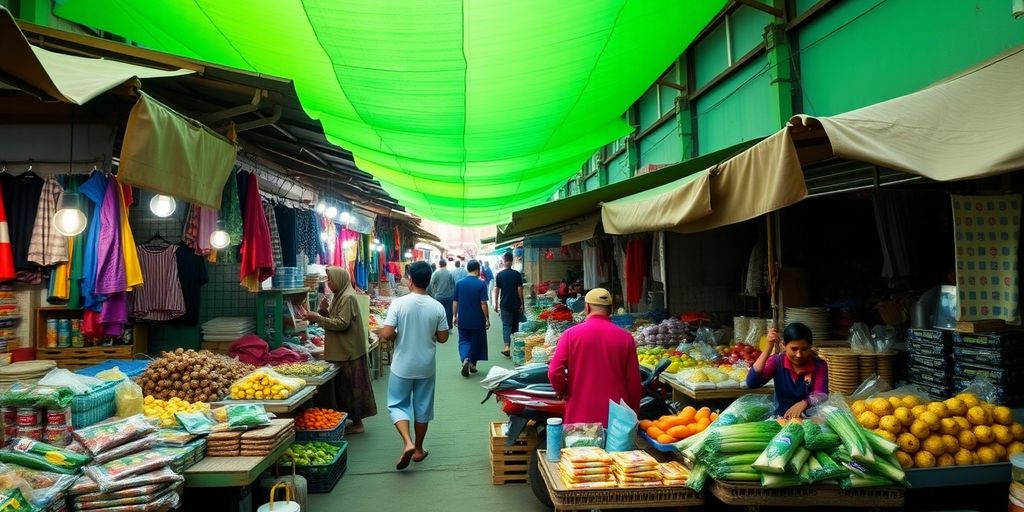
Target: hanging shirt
<point>60,287</point>
<point>257,256</point>
<point>6,258</point>
<point>132,268</point>
<point>286,233</point>
<point>192,275</point>
<point>110,270</point>
<point>275,237</point>
<point>95,189</point>
<point>161,299</point>
<point>21,197</point>
<point>46,246</point>
<point>307,234</point>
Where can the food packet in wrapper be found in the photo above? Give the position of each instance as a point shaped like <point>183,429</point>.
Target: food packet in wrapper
<point>583,434</point>
<point>245,416</point>
<point>112,374</point>
<point>164,475</point>
<point>103,436</point>
<point>44,457</point>
<point>128,398</point>
<point>620,435</point>
<point>131,492</point>
<point>198,423</point>
<point>113,503</point>
<point>126,449</point>
<point>587,454</point>
<point>173,437</point>
<point>169,499</point>
<point>45,486</point>
<point>107,474</point>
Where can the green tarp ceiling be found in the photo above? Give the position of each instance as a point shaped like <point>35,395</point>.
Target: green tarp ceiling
<point>464,110</point>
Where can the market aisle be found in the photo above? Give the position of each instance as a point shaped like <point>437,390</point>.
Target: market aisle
<point>456,476</point>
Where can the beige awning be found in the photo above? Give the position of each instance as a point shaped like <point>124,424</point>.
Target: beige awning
<point>67,78</point>
<point>762,179</point>
<point>968,126</point>
<point>584,229</point>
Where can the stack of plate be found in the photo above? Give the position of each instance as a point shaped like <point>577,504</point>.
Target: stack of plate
<point>843,368</point>
<point>25,372</point>
<point>287,277</point>
<point>228,328</point>
<point>814,318</point>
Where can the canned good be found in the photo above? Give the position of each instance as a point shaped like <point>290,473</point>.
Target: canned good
<point>77,340</point>
<point>29,417</point>
<point>51,333</point>
<point>10,431</point>
<point>10,416</point>
<point>58,417</point>
<point>64,332</point>
<point>56,435</point>
<point>35,433</point>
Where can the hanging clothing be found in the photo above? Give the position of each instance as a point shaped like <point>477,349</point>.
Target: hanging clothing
<point>275,237</point>
<point>161,299</point>
<point>636,269</point>
<point>658,270</point>
<point>591,269</point>
<point>94,189</point>
<point>339,245</point>
<point>111,275</point>
<point>46,246</point>
<point>192,275</point>
<point>257,256</point>
<point>21,197</point>
<point>757,268</point>
<point>60,286</point>
<point>231,213</point>
<point>132,267</point>
<point>307,234</point>
<point>6,257</point>
<point>286,233</point>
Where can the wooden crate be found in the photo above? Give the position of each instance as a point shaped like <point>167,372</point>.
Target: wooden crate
<point>509,464</point>
<point>75,358</point>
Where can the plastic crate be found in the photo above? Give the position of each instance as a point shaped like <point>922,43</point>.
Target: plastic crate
<point>1008,339</point>
<point>334,435</point>
<point>94,407</point>
<point>986,356</point>
<point>322,479</point>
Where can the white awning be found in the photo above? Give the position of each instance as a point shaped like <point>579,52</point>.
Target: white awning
<point>582,230</point>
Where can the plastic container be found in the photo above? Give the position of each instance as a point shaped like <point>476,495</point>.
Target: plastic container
<point>554,433</point>
<point>932,335</point>
<point>323,478</point>
<point>987,356</point>
<point>928,348</point>
<point>35,433</point>
<point>1009,339</point>
<point>334,435</point>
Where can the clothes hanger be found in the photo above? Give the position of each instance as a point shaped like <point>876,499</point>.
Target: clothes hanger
<point>158,238</point>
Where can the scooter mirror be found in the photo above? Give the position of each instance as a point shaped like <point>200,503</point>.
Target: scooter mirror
<point>661,367</point>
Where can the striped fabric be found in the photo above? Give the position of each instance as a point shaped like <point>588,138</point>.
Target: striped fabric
<point>160,298</point>
<point>47,246</point>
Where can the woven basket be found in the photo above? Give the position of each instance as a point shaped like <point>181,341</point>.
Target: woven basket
<point>844,368</point>
<point>877,364</point>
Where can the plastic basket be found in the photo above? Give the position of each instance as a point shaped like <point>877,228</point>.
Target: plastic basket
<point>130,367</point>
<point>94,407</point>
<point>334,435</point>
<point>323,478</point>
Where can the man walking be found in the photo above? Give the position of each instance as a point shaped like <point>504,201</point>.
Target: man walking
<point>595,362</point>
<point>472,317</point>
<point>488,276</point>
<point>459,273</point>
<point>416,323</point>
<point>508,300</point>
<point>442,287</point>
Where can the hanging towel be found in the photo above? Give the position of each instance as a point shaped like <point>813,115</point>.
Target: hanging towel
<point>286,232</point>
<point>987,238</point>
<point>257,256</point>
<point>275,236</point>
<point>46,246</point>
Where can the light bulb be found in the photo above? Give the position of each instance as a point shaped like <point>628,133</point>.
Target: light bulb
<point>380,248</point>
<point>320,207</point>
<point>331,212</point>
<point>69,221</point>
<point>348,243</point>
<point>323,236</point>
<point>220,239</point>
<point>408,255</point>
<point>162,206</point>
<point>376,241</point>
<point>344,217</point>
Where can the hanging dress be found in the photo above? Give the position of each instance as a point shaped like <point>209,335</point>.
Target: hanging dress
<point>257,254</point>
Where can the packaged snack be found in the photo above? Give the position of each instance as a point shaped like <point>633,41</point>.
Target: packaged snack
<point>131,492</point>
<point>106,475</point>
<point>584,434</point>
<point>124,450</point>
<point>13,499</point>
<point>586,454</point>
<point>128,399</point>
<point>121,502</point>
<point>173,437</point>
<point>169,499</point>
<point>247,415</point>
<point>164,475</point>
<point>38,455</point>
<point>46,486</point>
<point>100,437</point>
<point>196,422</point>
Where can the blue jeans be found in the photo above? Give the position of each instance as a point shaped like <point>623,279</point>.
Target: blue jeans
<point>509,325</point>
<point>447,303</point>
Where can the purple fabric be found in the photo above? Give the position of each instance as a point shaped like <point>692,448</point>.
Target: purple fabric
<point>110,273</point>
<point>94,189</point>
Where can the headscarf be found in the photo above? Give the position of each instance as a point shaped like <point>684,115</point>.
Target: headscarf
<point>341,284</point>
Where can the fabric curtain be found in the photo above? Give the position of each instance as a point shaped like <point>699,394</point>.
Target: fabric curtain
<point>987,241</point>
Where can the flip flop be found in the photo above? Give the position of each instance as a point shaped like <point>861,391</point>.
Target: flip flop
<point>465,369</point>
<point>506,353</point>
<point>425,454</point>
<point>472,369</point>
<point>406,458</point>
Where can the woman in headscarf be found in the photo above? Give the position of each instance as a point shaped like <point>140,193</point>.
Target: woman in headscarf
<point>346,344</point>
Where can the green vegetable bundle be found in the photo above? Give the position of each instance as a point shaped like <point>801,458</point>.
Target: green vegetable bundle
<point>822,467</point>
<point>743,437</point>
<point>782,447</point>
<point>20,395</point>
<point>735,466</point>
<point>840,418</point>
<point>746,409</point>
<point>818,436</point>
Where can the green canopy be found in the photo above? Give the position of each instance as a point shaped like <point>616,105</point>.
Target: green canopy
<point>464,110</point>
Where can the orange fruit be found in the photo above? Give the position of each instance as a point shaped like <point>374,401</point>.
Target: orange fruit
<point>666,439</point>
<point>654,432</point>
<point>714,416</point>
<point>703,423</point>
<point>704,412</point>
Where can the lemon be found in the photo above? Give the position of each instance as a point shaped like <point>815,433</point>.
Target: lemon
<point>987,455</point>
<point>934,445</point>
<point>963,457</point>
<point>1018,431</point>
<point>956,406</point>
<point>910,401</point>
<point>1002,434</point>
<point>904,416</point>
<point>1014,448</point>
<point>931,419</point>
<point>951,443</point>
<point>880,406</point>
<point>917,410</point>
<point>946,460</point>
<point>920,429</point>
<point>967,439</point>
<point>939,409</point>
<point>1000,451</point>
<point>1002,415</point>
<point>962,421</point>
<point>891,424</point>
<point>906,461</point>
<point>868,419</point>
<point>977,415</point>
<point>949,426</point>
<point>969,399</point>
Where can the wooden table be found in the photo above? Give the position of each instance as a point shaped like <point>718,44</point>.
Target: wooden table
<point>682,393</point>
<point>323,378</point>
<point>232,471</point>
<point>276,406</point>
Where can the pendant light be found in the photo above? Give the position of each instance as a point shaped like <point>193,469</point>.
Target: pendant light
<point>344,217</point>
<point>320,207</point>
<point>162,206</point>
<point>220,238</point>
<point>408,255</point>
<point>331,212</point>
<point>69,219</point>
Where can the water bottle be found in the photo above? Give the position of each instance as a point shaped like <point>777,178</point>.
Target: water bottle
<point>554,432</point>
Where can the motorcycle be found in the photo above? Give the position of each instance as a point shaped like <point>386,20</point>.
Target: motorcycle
<point>525,395</point>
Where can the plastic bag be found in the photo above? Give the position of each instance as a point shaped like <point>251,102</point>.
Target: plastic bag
<point>103,436</point>
<point>108,503</point>
<point>79,384</point>
<point>113,374</point>
<point>883,337</point>
<point>243,416</point>
<point>14,498</point>
<point>164,475</point>
<point>265,383</point>
<point>746,409</point>
<point>44,486</point>
<point>705,336</point>
<point>577,435</point>
<point>172,437</point>
<point>36,455</point>
<point>781,449</point>
<point>620,435</point>
<point>129,399</point>
<point>819,436</point>
<point>198,423</point>
<point>983,389</point>
<point>20,395</point>
<point>126,449</point>
<point>860,338</point>
<point>118,469</point>
<point>872,386</point>
<point>753,336</point>
<point>131,492</point>
<point>167,500</point>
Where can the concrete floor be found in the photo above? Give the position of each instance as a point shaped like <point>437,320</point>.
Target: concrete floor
<point>457,476</point>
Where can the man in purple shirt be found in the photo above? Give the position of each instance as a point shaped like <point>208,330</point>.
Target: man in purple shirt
<point>801,378</point>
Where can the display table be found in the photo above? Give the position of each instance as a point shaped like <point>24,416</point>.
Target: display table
<point>954,476</point>
<point>323,378</point>
<point>564,498</point>
<point>750,494</point>
<point>232,471</point>
<point>680,391</point>
<point>276,406</point>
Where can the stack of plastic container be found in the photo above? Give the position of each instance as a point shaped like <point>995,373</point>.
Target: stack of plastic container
<point>931,362</point>
<point>995,357</point>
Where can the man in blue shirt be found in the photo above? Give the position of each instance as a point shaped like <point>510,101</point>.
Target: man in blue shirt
<point>459,273</point>
<point>472,317</point>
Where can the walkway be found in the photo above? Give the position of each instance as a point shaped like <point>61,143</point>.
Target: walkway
<point>457,475</point>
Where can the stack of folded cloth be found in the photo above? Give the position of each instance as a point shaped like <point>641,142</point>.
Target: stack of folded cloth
<point>228,328</point>
<point>586,468</point>
<point>636,468</point>
<point>674,473</point>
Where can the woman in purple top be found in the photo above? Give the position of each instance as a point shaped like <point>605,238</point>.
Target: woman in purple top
<point>801,378</point>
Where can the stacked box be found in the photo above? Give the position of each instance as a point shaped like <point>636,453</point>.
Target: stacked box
<point>995,357</point>
<point>930,361</point>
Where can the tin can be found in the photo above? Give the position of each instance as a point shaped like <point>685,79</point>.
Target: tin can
<point>77,340</point>
<point>35,433</point>
<point>64,333</point>
<point>58,417</point>
<point>29,417</point>
<point>10,416</point>
<point>56,435</point>
<point>10,431</point>
<point>51,333</point>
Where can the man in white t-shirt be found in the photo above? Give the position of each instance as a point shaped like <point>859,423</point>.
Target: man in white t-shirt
<point>416,322</point>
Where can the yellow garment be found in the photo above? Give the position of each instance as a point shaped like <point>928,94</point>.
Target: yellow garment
<point>62,275</point>
<point>132,268</point>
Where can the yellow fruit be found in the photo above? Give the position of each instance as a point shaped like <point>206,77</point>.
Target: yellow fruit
<point>920,429</point>
<point>924,459</point>
<point>956,406</point>
<point>977,415</point>
<point>908,443</point>
<point>868,420</point>
<point>918,409</point>
<point>962,421</point>
<point>931,419</point>
<point>858,407</point>
<point>963,457</point>
<point>1018,431</point>
<point>949,426</point>
<point>939,409</point>
<point>903,415</point>
<point>968,399</point>
<point>1002,415</point>
<point>988,407</point>
<point>891,424</point>
<point>951,443</point>
<point>880,406</point>
<point>933,444</point>
<point>895,401</point>
<point>967,439</point>
<point>984,434</point>
<point>1014,448</point>
<point>906,461</point>
<point>1000,451</point>
<point>946,460</point>
<point>1003,434</point>
<point>986,455</point>
<point>910,401</point>
<point>885,434</point>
